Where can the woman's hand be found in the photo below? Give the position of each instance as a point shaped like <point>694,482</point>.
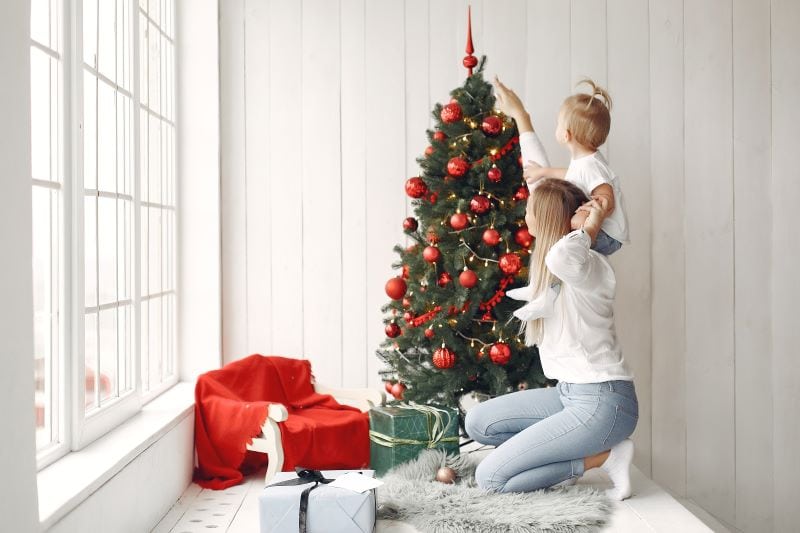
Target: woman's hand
<point>509,103</point>
<point>596,209</point>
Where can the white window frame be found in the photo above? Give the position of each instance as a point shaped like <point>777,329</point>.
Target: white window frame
<point>76,427</point>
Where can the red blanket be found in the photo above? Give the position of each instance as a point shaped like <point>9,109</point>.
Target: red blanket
<point>231,406</point>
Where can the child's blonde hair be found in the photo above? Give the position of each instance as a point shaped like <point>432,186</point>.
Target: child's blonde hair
<point>588,116</point>
<point>552,203</point>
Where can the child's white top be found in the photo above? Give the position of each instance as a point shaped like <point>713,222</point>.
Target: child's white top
<point>586,172</point>
<point>579,342</point>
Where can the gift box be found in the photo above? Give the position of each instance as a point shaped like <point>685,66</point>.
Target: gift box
<point>398,433</point>
<point>325,508</point>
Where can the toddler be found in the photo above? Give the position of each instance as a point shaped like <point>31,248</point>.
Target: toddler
<point>583,124</point>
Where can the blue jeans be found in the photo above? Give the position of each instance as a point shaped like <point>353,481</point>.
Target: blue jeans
<point>542,435</point>
<point>605,243</point>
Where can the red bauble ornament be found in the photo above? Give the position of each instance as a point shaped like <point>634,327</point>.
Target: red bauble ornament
<point>459,221</point>
<point>410,224</point>
<point>492,125</point>
<point>523,238</point>
<point>494,174</point>
<point>433,237</point>
<point>439,136</point>
<point>491,237</point>
<point>392,330</point>
<point>500,353</point>
<point>510,263</point>
<point>416,187</point>
<point>388,386</point>
<point>433,197</point>
<point>522,193</point>
<point>396,288</point>
<point>406,271</point>
<point>444,358</point>
<point>470,62</point>
<point>406,302</point>
<point>429,333</point>
<point>457,167</point>
<point>429,150</point>
<point>480,204</point>
<point>408,316</point>
<point>451,113</point>
<point>468,279</point>
<point>444,279</point>
<point>398,389</point>
<point>431,254</point>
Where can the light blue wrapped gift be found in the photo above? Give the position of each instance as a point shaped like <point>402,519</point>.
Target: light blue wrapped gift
<point>326,509</point>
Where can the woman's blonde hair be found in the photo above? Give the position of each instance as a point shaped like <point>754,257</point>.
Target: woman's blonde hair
<point>588,116</point>
<point>552,204</point>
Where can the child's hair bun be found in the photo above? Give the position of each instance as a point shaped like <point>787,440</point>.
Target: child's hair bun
<point>597,92</point>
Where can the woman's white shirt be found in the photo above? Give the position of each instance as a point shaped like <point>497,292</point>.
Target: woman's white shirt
<point>579,341</point>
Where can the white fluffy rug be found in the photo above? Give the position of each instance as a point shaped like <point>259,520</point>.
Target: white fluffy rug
<point>412,494</point>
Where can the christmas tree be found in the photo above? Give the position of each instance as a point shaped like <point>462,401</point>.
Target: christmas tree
<point>449,328</point>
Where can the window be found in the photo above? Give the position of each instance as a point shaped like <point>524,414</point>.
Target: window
<point>104,212</point>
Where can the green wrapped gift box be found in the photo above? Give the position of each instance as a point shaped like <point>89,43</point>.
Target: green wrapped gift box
<point>399,432</point>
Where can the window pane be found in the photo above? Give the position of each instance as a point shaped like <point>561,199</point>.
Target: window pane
<point>155,366</point>
<point>90,32</point>
<point>124,351</point>
<point>90,251</point>
<point>154,69</point>
<point>124,249</point>
<point>45,308</point>
<point>106,44</point>
<point>108,354</point>
<point>124,147</point>
<point>144,140</point>
<point>154,250</point>
<point>89,131</point>
<point>154,10</point>
<point>144,48</point>
<point>107,138</point>
<point>107,248</point>
<point>124,44</point>
<point>144,344</point>
<point>90,360</point>
<point>40,115</point>
<point>154,160</point>
<point>40,21</point>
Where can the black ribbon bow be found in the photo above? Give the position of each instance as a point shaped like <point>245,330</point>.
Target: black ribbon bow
<point>304,475</point>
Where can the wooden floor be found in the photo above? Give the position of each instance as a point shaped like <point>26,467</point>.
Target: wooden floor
<point>235,510</point>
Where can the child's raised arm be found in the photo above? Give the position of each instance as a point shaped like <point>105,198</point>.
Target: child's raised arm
<point>509,103</point>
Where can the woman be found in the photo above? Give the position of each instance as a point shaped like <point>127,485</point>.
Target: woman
<point>553,435</point>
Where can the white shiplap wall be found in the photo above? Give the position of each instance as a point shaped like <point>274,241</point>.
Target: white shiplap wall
<point>324,105</point>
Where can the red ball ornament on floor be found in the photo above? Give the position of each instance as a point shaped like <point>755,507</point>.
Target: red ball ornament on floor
<point>416,187</point>
<point>451,113</point>
<point>444,279</point>
<point>459,221</point>
<point>431,254</point>
<point>523,238</point>
<point>392,330</point>
<point>500,353</point>
<point>494,174</point>
<point>468,279</point>
<point>457,167</point>
<point>396,288</point>
<point>429,333</point>
<point>398,389</point>
<point>522,193</point>
<point>444,357</point>
<point>479,204</point>
<point>492,125</point>
<point>491,237</point>
<point>510,263</point>
<point>410,224</point>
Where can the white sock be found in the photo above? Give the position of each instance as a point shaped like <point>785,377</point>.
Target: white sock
<point>567,482</point>
<point>618,468</point>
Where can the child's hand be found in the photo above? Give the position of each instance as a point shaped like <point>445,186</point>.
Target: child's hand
<point>507,101</point>
<point>532,172</point>
<point>596,209</point>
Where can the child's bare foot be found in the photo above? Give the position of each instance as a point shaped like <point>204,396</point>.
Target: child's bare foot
<point>577,220</point>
